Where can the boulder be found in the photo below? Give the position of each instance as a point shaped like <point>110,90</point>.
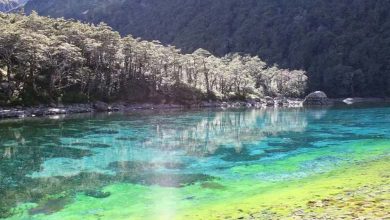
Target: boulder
<point>101,106</point>
<point>255,104</point>
<point>280,101</point>
<point>209,104</point>
<point>120,106</point>
<point>269,101</point>
<point>316,98</point>
<point>12,113</point>
<point>293,103</point>
<point>55,111</point>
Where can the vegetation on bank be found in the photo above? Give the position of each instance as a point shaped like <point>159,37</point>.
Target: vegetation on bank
<point>44,60</point>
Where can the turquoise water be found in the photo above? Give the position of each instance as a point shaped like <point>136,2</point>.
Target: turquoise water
<point>48,164</point>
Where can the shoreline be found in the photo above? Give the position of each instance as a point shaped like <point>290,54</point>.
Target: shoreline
<point>99,107</point>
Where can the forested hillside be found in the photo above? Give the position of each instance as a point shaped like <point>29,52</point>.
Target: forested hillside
<point>6,5</point>
<point>44,60</point>
<point>343,45</point>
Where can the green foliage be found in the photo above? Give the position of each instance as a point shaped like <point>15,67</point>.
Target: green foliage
<point>44,60</point>
<point>343,45</point>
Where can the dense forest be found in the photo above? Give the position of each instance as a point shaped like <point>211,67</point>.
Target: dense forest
<point>6,5</point>
<point>9,5</point>
<point>45,60</point>
<point>343,45</point>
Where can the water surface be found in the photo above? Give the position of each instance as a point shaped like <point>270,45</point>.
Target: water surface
<point>165,165</point>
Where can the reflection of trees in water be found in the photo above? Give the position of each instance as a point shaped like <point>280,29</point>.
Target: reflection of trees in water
<point>226,129</point>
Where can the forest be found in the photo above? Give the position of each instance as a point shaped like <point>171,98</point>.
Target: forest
<point>45,60</point>
<point>344,46</point>
<point>8,5</point>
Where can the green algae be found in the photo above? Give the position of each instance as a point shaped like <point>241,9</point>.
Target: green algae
<point>227,198</point>
<point>224,197</point>
<point>169,203</point>
<point>284,198</point>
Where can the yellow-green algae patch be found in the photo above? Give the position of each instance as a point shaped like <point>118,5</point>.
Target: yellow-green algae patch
<point>302,196</point>
<point>249,197</point>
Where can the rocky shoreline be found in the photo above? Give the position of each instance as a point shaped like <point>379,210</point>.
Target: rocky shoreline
<point>366,202</point>
<point>316,99</point>
<point>49,110</point>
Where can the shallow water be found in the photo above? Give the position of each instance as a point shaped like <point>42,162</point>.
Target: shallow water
<point>163,165</point>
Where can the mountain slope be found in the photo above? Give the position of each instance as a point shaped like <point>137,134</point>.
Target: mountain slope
<point>343,45</point>
<point>6,5</point>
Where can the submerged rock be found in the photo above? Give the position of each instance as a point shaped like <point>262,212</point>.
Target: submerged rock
<point>97,194</point>
<point>278,150</point>
<point>172,180</point>
<point>231,155</point>
<point>105,132</point>
<point>50,206</point>
<point>212,185</point>
<point>316,98</point>
<point>148,178</point>
<point>127,138</point>
<point>99,145</point>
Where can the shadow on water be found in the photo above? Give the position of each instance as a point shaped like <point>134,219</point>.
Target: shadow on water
<point>150,148</point>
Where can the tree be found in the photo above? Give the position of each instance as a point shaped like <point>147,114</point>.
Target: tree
<point>52,60</point>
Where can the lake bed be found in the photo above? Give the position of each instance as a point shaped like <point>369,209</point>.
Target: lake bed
<point>198,164</point>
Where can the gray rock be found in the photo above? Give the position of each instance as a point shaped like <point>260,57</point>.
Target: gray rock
<point>12,113</point>
<point>256,104</point>
<point>55,111</point>
<point>79,108</point>
<point>280,101</point>
<point>295,103</point>
<point>316,98</point>
<point>38,111</point>
<point>101,106</point>
<point>269,101</point>
<point>209,104</point>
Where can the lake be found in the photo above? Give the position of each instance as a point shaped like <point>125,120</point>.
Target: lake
<point>198,164</point>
